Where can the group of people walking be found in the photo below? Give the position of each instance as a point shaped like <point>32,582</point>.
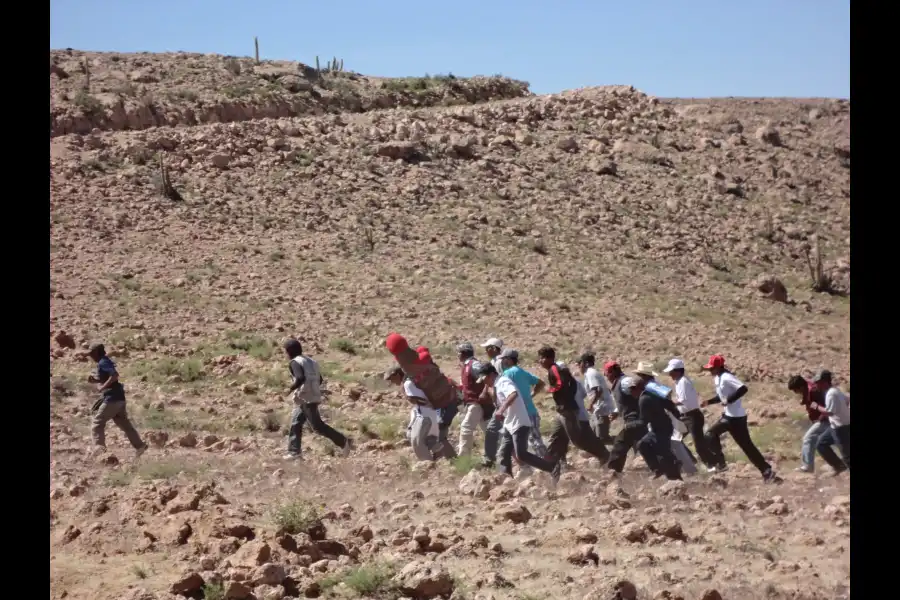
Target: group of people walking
<point>496,396</point>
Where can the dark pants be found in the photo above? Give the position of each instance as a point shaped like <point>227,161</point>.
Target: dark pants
<point>446,416</point>
<point>601,428</point>
<point>657,453</point>
<point>309,413</point>
<point>492,435</point>
<point>737,427</point>
<point>694,421</point>
<point>835,436</point>
<point>627,439</point>
<point>518,443</point>
<point>567,428</point>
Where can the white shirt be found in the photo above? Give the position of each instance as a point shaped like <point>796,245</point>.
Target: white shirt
<point>421,410</point>
<point>580,395</point>
<point>686,393</point>
<point>497,364</point>
<point>594,380</point>
<point>837,404</point>
<point>726,385</point>
<point>517,414</point>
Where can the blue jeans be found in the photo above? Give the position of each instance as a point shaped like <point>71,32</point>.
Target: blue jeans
<point>810,440</point>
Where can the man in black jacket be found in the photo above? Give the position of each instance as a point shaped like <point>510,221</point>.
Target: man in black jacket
<point>655,445</point>
<point>570,424</point>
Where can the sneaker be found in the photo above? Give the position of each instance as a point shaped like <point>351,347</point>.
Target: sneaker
<point>292,456</point>
<point>348,447</point>
<point>770,477</point>
<point>836,472</point>
<point>711,470</point>
<point>804,469</point>
<point>140,450</point>
<point>556,472</point>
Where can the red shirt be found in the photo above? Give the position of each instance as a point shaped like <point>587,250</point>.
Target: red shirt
<point>813,394</point>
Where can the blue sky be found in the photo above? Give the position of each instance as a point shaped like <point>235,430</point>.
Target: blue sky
<point>670,48</point>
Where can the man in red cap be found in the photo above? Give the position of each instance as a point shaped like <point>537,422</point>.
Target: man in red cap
<point>729,392</point>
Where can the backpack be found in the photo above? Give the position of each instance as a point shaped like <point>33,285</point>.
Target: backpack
<point>428,377</point>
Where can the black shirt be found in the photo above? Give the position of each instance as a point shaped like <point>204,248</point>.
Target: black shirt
<point>628,405</point>
<point>655,413</point>
<point>563,388</point>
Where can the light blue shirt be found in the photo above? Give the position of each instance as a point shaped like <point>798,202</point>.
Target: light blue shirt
<point>524,382</point>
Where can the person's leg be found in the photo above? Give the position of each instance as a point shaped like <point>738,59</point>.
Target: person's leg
<point>505,452</point>
<point>420,438</point>
<point>714,444</point>
<point>683,456</point>
<point>321,427</point>
<point>295,430</point>
<point>124,423</point>
<point>603,427</point>
<point>445,420</point>
<point>520,447</point>
<point>104,413</point>
<point>537,442</point>
<point>583,437</point>
<point>471,419</point>
<point>647,446</point>
<point>695,421</point>
<point>492,440</point>
<point>740,433</point>
<point>626,441</point>
<point>668,464</point>
<point>843,437</point>
<point>558,441</point>
<point>827,440</point>
<point>808,447</point>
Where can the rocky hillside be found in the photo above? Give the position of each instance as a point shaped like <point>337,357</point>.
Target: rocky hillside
<point>446,210</point>
<point>113,91</point>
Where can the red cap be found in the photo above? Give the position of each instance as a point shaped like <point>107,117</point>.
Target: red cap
<point>425,356</point>
<point>396,343</point>
<point>421,349</point>
<point>610,366</point>
<point>716,361</point>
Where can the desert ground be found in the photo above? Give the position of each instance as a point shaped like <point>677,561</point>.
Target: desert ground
<point>204,208</point>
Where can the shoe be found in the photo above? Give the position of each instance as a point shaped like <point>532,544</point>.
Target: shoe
<point>770,477</point>
<point>804,469</point>
<point>836,472</point>
<point>292,456</point>
<point>721,468</point>
<point>348,447</point>
<point>556,472</point>
<point>140,450</point>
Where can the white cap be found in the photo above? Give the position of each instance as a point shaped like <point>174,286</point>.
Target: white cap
<point>674,364</point>
<point>496,342</point>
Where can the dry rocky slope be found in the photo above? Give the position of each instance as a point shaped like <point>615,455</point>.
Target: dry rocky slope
<point>601,217</point>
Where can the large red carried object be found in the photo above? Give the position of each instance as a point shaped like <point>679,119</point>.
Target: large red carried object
<point>419,367</point>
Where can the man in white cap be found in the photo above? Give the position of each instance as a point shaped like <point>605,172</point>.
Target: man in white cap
<point>493,347</point>
<point>687,400</point>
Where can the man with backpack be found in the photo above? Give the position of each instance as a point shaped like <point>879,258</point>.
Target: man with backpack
<point>572,423</point>
<point>655,444</point>
<point>476,409</point>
